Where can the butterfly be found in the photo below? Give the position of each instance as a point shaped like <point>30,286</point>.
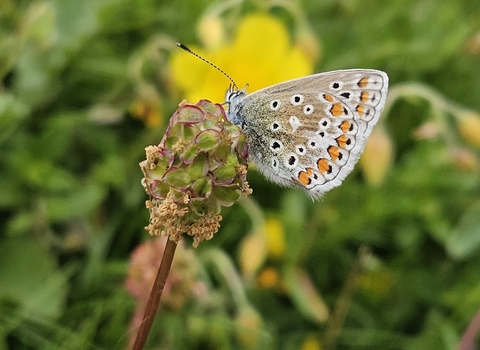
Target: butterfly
<point>310,132</point>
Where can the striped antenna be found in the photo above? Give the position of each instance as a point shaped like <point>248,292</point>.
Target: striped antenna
<point>180,45</point>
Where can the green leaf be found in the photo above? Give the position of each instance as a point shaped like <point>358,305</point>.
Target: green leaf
<point>12,112</point>
<point>28,277</point>
<point>225,173</point>
<point>202,187</point>
<point>189,153</point>
<point>198,168</point>
<point>306,298</point>
<point>293,211</point>
<point>80,201</point>
<point>226,195</point>
<point>464,240</point>
<point>438,334</point>
<point>190,114</point>
<point>207,140</point>
<point>177,178</point>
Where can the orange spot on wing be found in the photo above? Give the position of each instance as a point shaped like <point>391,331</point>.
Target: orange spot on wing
<point>363,82</point>
<point>336,110</point>
<point>360,110</point>
<point>345,126</point>
<point>333,151</point>
<point>304,177</point>
<point>328,97</point>
<point>342,141</point>
<point>323,166</point>
<point>364,96</point>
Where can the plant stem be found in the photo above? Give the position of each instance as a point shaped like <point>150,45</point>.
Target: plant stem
<point>344,300</point>
<point>468,338</point>
<point>155,295</point>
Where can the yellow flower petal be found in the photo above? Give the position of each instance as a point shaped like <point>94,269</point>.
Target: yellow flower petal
<point>186,70</point>
<point>260,55</point>
<point>275,237</point>
<point>469,127</point>
<point>261,39</point>
<point>297,65</point>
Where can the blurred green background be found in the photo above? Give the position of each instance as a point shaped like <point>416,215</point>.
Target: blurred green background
<point>87,85</point>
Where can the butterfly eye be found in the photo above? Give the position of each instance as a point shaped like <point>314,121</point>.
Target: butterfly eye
<point>297,99</point>
<point>275,105</point>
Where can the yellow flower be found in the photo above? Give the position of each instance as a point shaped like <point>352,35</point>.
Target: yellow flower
<point>267,240</point>
<point>275,237</point>
<point>252,253</point>
<point>248,328</point>
<point>311,343</point>
<point>469,127</point>
<point>261,55</point>
<point>378,156</point>
<point>268,278</point>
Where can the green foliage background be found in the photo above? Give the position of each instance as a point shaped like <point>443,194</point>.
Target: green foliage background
<point>72,206</point>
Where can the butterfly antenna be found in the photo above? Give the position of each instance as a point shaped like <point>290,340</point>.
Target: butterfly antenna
<point>180,45</point>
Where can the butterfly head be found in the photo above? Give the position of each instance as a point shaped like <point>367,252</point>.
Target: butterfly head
<point>233,99</point>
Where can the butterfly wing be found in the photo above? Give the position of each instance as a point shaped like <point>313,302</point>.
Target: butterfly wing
<point>310,132</point>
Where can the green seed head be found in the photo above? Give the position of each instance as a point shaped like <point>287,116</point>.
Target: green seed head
<point>199,166</point>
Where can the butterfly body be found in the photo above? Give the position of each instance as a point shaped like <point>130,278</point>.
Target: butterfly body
<point>309,132</point>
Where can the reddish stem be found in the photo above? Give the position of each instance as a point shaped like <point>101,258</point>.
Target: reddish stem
<point>155,295</point>
<point>468,338</point>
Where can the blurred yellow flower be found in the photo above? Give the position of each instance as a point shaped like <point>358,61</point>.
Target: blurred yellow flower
<point>311,343</point>
<point>268,278</point>
<point>252,253</point>
<point>249,325</point>
<point>378,156</point>
<point>469,127</point>
<point>267,240</point>
<point>261,55</point>
<point>275,237</point>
